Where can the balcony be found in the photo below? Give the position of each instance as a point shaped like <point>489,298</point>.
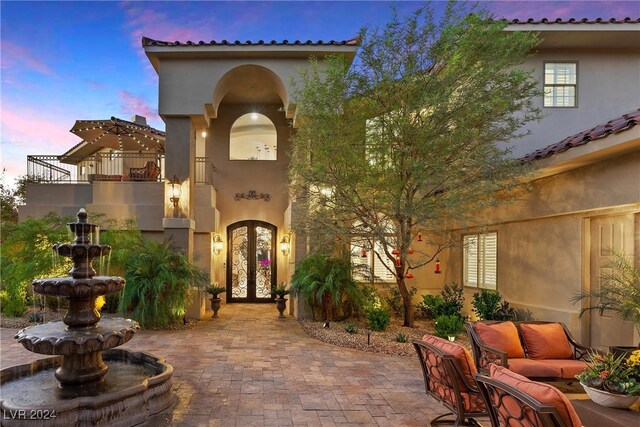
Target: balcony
<point>117,167</point>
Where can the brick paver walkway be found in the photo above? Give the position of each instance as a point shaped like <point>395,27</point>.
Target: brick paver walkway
<point>248,368</point>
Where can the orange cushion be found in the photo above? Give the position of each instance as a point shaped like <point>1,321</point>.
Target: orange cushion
<point>459,352</point>
<point>502,336</point>
<point>543,393</point>
<point>546,341</point>
<point>569,367</point>
<point>535,368</point>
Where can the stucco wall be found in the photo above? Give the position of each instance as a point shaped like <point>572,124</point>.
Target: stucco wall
<point>541,238</point>
<point>607,88</point>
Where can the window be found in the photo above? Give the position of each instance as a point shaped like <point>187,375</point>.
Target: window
<point>560,84</point>
<point>253,137</point>
<point>371,260</point>
<point>480,261</point>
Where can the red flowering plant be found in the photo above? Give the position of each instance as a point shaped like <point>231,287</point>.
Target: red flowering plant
<point>620,375</point>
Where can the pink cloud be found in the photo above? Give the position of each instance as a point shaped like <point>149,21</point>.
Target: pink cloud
<point>31,130</point>
<point>132,104</point>
<point>27,131</point>
<point>13,56</point>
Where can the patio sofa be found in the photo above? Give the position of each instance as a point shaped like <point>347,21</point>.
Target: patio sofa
<point>534,349</point>
<point>149,172</point>
<point>102,177</point>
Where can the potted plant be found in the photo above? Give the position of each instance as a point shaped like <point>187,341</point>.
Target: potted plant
<point>215,290</point>
<point>281,302</point>
<point>611,380</point>
<point>619,292</point>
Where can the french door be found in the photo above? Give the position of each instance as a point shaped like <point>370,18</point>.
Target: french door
<point>251,266</point>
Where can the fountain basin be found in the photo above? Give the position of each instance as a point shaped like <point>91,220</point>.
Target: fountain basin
<point>137,386</point>
<point>56,339</point>
<point>78,288</point>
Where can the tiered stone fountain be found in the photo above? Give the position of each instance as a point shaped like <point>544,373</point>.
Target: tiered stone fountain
<point>86,390</point>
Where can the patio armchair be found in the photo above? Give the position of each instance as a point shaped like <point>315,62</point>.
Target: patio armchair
<point>448,371</point>
<point>513,400</point>
<point>149,172</point>
<point>535,349</point>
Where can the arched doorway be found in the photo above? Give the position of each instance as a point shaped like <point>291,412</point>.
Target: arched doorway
<point>251,262</point>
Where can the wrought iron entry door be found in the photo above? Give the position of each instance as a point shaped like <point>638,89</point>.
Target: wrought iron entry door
<point>251,263</point>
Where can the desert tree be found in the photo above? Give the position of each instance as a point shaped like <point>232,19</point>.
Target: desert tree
<point>412,137</point>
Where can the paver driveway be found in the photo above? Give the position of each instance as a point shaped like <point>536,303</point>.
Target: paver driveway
<point>248,368</point>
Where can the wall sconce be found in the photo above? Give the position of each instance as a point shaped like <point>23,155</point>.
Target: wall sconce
<point>204,133</point>
<point>217,244</point>
<point>285,245</point>
<point>176,190</point>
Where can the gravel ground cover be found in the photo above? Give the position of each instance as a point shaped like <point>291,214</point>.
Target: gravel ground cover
<point>379,342</point>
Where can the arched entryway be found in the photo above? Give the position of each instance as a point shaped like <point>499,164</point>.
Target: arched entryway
<point>251,261</point>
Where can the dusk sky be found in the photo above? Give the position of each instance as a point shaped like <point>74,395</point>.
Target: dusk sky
<point>63,61</point>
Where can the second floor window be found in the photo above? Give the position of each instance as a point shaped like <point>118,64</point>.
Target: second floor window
<point>560,84</point>
<point>253,137</point>
<point>480,262</point>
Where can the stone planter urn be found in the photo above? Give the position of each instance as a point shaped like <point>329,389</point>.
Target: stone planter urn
<point>215,306</point>
<point>281,305</point>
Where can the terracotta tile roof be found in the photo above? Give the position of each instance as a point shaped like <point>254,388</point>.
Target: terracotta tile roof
<point>617,125</point>
<point>626,20</point>
<point>146,41</point>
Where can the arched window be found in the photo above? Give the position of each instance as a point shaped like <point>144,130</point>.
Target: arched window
<point>253,137</point>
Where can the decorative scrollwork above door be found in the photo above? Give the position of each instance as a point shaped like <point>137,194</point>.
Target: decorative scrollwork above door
<point>253,195</point>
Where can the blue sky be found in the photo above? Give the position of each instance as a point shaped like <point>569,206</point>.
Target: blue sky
<point>63,61</point>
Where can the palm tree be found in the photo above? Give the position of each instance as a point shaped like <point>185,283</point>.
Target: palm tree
<point>619,291</point>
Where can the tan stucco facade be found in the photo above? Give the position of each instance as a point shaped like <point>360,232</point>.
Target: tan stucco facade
<point>544,237</point>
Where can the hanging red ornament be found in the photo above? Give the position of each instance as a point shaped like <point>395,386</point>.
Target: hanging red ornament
<point>363,254</point>
<point>437,270</point>
<point>419,237</point>
<point>398,264</point>
<point>408,276</point>
<point>395,252</point>
<point>410,251</point>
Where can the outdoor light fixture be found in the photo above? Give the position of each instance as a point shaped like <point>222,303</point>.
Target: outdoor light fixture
<point>217,244</point>
<point>176,190</point>
<point>285,245</point>
<point>437,270</point>
<point>204,133</point>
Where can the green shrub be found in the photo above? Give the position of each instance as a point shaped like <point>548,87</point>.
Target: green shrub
<point>158,281</point>
<point>489,305</point>
<point>26,254</point>
<point>351,328</point>
<point>448,326</point>
<point>325,283</point>
<point>430,306</point>
<point>378,319</point>
<point>452,300</point>
<point>401,337</point>
<point>395,300</point>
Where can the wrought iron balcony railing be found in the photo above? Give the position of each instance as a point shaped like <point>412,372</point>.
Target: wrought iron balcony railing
<point>109,167</point>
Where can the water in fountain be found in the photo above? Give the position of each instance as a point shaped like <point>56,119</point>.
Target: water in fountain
<point>83,344</point>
